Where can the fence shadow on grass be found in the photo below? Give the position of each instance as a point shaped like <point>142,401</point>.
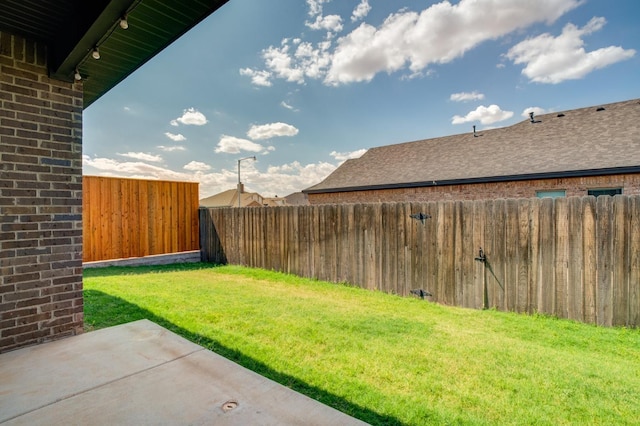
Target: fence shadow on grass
<point>104,310</point>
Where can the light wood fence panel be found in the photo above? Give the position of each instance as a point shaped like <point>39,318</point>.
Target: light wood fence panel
<point>575,258</point>
<point>125,218</point>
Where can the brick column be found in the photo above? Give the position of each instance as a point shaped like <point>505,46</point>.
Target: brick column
<point>40,198</point>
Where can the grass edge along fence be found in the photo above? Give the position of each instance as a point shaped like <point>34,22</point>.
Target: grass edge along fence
<point>576,258</point>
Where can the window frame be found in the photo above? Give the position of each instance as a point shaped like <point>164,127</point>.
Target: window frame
<point>599,192</point>
<point>551,193</point>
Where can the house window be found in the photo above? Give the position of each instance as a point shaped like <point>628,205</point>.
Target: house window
<point>551,194</point>
<point>606,191</point>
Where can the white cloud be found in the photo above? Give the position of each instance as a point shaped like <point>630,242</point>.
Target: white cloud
<point>535,110</point>
<point>288,178</point>
<point>406,39</point>
<point>315,6</point>
<point>438,34</point>
<point>466,96</point>
<point>552,60</point>
<point>282,64</point>
<point>485,115</point>
<point>272,130</point>
<point>361,11</point>
<point>190,116</point>
<point>175,137</point>
<point>111,167</point>
<point>142,156</point>
<point>258,78</point>
<point>233,145</point>
<point>283,104</point>
<point>313,62</point>
<point>197,166</point>
<point>343,156</point>
<point>277,180</point>
<point>331,23</point>
<point>292,61</point>
<point>172,148</point>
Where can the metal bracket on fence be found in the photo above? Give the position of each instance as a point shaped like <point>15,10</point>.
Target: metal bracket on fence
<point>420,293</point>
<point>481,256</point>
<point>420,216</point>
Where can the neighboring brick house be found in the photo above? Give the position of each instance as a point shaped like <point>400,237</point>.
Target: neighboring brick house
<point>44,44</point>
<point>594,150</point>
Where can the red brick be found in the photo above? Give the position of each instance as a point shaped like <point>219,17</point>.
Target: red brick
<point>35,235</point>
<point>30,81</point>
<point>521,189</point>
<point>33,318</point>
<point>40,146</point>
<point>66,280</point>
<point>7,288</point>
<point>56,289</point>
<point>16,158</point>
<point>9,88</point>
<point>22,107</point>
<point>10,140</point>
<point>16,244</point>
<point>20,295</point>
<point>71,327</point>
<point>7,343</point>
<point>30,134</point>
<point>66,296</point>
<point>33,251</point>
<point>18,330</point>
<point>56,306</point>
<point>33,302</point>
<point>10,323</point>
<point>33,151</point>
<point>5,308</point>
<point>32,285</point>
<point>63,115</point>
<point>34,336</point>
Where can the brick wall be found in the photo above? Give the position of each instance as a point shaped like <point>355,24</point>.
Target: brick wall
<point>630,184</point>
<point>40,198</point>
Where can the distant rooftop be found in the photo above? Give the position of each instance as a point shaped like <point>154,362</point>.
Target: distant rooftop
<point>603,139</point>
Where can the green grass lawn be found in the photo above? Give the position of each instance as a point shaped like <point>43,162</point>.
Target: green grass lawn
<point>383,358</point>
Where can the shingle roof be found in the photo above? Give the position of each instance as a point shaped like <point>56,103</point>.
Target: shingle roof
<point>221,199</point>
<point>229,198</point>
<point>578,142</point>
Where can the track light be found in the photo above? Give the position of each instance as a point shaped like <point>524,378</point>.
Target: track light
<point>77,75</point>
<point>124,24</point>
<point>96,53</point>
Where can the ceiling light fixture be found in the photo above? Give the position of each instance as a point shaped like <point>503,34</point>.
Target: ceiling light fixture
<point>124,24</point>
<point>77,75</point>
<point>96,53</point>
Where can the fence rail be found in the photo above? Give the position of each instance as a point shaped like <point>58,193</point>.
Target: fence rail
<point>576,258</point>
<point>125,218</point>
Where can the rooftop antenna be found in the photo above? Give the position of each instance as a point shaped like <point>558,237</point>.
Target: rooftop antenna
<point>533,120</point>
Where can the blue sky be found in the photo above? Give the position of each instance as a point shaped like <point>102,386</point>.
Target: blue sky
<point>304,85</point>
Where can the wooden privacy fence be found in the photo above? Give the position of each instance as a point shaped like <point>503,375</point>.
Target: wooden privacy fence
<point>576,258</point>
<point>133,218</point>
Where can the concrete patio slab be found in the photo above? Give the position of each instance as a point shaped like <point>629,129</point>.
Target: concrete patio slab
<point>140,373</point>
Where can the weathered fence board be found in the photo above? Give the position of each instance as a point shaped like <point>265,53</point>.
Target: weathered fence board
<point>576,258</point>
<point>634,261</point>
<point>125,218</point>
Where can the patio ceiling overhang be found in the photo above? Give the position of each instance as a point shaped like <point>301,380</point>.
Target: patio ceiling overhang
<point>71,29</point>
